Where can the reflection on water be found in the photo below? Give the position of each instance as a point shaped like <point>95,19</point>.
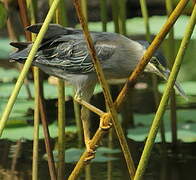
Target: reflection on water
<point>172,166</point>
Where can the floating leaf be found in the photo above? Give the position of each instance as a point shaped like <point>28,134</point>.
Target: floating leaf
<point>23,130</point>
<point>135,26</point>
<point>186,126</point>
<point>189,87</point>
<point>73,154</point>
<point>7,75</point>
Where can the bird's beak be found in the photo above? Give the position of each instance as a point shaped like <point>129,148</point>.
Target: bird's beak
<point>156,67</point>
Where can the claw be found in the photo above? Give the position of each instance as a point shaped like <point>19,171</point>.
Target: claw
<point>91,152</point>
<point>89,157</point>
<point>77,97</point>
<point>104,123</point>
<point>96,146</point>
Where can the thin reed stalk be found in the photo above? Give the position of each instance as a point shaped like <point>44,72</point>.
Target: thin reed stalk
<point>78,124</point>
<point>24,12</point>
<point>16,155</point>
<point>145,59</point>
<point>61,13</point>
<point>51,165</point>
<point>107,95</point>
<point>30,5</point>
<point>61,18</point>
<point>103,9</point>
<point>171,51</point>
<point>144,10</point>
<point>122,17</point>
<point>110,163</point>
<point>88,175</point>
<point>84,7</point>
<point>161,109</point>
<point>11,33</point>
<point>61,129</point>
<point>36,126</point>
<point>115,12</point>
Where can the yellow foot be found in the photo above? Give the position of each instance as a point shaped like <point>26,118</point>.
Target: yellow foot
<point>105,123</point>
<point>77,97</point>
<point>91,152</point>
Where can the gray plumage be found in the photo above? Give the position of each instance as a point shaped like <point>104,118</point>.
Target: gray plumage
<point>64,53</point>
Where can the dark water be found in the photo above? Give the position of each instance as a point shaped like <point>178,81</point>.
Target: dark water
<point>172,164</point>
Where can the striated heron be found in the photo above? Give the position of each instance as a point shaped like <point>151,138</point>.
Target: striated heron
<point>64,54</point>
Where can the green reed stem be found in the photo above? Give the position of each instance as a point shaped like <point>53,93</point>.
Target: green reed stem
<point>122,17</point>
<point>31,12</point>
<point>144,10</point>
<point>171,51</point>
<point>61,129</point>
<point>36,126</point>
<point>146,19</point>
<point>78,124</point>
<point>84,6</point>
<point>103,9</point>
<point>161,109</point>
<point>62,14</point>
<point>115,12</point>
<point>61,18</point>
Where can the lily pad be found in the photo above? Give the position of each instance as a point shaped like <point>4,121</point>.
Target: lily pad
<point>7,75</point>
<point>186,126</point>
<point>26,131</point>
<point>50,91</point>
<point>102,154</point>
<point>135,26</point>
<point>189,87</point>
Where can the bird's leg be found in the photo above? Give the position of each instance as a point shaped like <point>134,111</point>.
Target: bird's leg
<point>85,113</point>
<point>105,123</point>
<point>85,94</point>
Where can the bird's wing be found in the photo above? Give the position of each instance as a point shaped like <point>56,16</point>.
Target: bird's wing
<point>70,53</point>
<point>53,30</point>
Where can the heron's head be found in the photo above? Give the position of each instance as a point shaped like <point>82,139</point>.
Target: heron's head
<point>158,66</point>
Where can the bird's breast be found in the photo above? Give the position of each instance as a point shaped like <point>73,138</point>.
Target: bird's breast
<point>121,64</point>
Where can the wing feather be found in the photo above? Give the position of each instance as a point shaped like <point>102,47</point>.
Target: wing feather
<point>72,55</point>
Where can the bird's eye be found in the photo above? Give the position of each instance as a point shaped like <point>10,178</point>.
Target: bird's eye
<point>154,61</point>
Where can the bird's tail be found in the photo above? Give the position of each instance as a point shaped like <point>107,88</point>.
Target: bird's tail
<point>23,50</point>
<point>54,31</point>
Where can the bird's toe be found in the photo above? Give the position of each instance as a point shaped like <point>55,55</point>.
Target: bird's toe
<point>105,123</point>
<point>91,151</point>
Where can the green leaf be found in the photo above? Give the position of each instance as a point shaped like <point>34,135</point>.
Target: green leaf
<point>8,75</point>
<point>103,154</point>
<point>189,87</point>
<point>135,26</point>
<point>19,131</point>
<point>3,15</point>
<point>186,126</point>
